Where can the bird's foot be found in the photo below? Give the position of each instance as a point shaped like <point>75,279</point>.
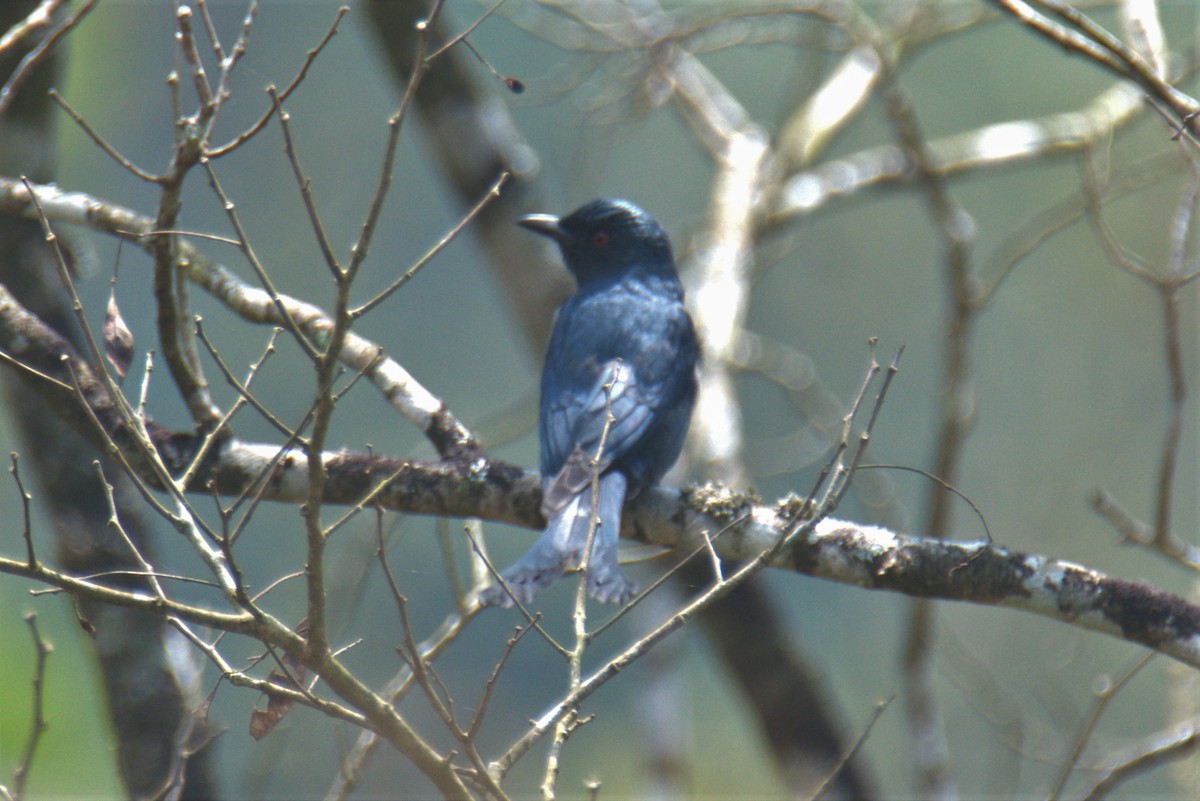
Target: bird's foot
<point>609,585</point>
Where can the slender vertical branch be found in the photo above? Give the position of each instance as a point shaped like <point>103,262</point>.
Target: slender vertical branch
<point>26,499</point>
<point>38,725</point>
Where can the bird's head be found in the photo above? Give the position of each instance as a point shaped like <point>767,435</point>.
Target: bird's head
<point>605,238</point>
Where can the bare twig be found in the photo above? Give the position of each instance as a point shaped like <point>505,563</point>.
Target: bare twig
<point>437,248</point>
<point>101,142</point>
<point>1090,40</point>
<point>426,678</point>
<point>1169,746</point>
<point>568,723</point>
<point>305,184</point>
<point>184,521</point>
<point>26,499</point>
<point>1138,532</point>
<point>38,18</point>
<point>42,649</point>
<point>285,316</point>
<point>35,56</point>
<point>367,232</point>
<point>227,63</point>
<point>467,31</point>
<point>210,28</point>
<point>532,618</point>
<point>310,57</point>
<point>1104,696</point>
<point>827,783</point>
<point>400,388</point>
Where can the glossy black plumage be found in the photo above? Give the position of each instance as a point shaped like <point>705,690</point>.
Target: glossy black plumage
<point>625,326</point>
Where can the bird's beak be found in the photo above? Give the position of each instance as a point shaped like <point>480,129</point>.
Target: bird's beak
<point>547,225</point>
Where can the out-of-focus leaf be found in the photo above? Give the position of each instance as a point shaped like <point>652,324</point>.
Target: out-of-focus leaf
<point>118,339</point>
<point>262,721</point>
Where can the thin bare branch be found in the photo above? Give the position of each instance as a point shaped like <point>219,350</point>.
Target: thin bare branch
<point>310,57</point>
<point>42,649</point>
<point>40,17</point>
<point>103,143</point>
<point>437,248</point>
<point>35,56</point>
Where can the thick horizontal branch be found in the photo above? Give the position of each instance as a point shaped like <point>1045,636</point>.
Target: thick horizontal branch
<point>475,486</point>
<point>878,559</point>
<point>838,550</point>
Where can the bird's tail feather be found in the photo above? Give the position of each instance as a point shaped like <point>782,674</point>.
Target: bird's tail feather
<point>561,547</point>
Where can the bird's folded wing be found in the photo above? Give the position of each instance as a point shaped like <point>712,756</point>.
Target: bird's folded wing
<point>579,428</point>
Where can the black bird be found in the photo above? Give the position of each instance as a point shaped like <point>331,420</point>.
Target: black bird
<point>622,343</point>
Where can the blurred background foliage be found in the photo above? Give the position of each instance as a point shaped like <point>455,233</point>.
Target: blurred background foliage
<point>1070,388</point>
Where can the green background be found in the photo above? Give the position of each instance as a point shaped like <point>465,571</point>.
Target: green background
<point>1069,384</point>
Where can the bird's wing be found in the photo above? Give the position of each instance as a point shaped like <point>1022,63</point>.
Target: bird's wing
<point>575,428</point>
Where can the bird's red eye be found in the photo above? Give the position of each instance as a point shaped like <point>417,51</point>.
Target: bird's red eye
<point>599,239</point>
